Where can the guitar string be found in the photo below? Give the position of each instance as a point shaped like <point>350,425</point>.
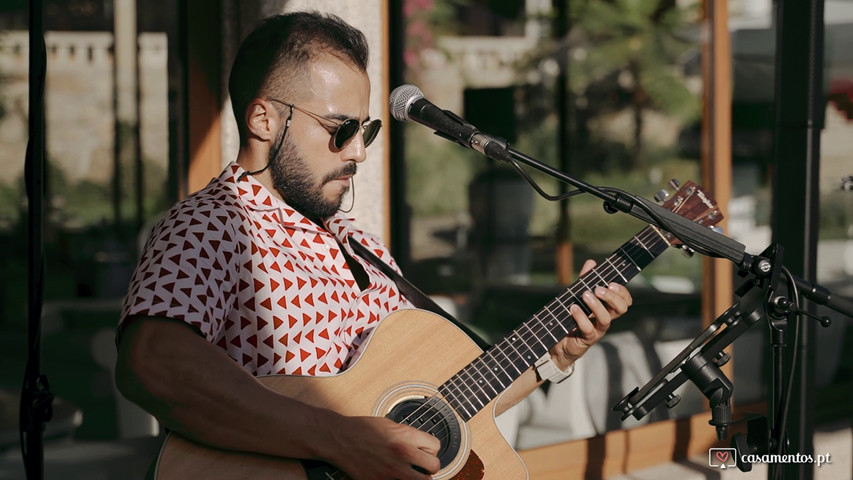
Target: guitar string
<point>501,349</point>
<point>561,317</point>
<point>649,233</point>
<point>561,320</point>
<point>445,407</point>
<point>656,238</point>
<point>565,299</point>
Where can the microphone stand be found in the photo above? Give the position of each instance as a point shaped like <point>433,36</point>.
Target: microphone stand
<point>700,362</point>
<point>35,408</point>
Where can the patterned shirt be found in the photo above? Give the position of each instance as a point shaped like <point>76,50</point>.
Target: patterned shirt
<point>260,280</point>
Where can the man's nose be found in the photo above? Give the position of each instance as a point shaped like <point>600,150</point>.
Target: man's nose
<point>354,150</point>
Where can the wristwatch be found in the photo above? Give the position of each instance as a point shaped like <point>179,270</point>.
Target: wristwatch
<point>546,369</point>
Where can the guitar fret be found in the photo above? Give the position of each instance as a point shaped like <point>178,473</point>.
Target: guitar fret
<point>564,301</point>
<point>610,261</point>
<point>469,393</point>
<point>603,281</point>
<point>483,379</point>
<point>506,355</point>
<point>622,248</point>
<point>523,341</point>
<point>642,244</point>
<point>510,342</point>
<point>480,382</point>
<point>495,370</point>
<point>574,298</point>
<point>466,385</point>
<point>551,325</point>
<point>538,349</point>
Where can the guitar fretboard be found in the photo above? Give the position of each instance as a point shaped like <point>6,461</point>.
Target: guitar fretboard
<point>473,387</point>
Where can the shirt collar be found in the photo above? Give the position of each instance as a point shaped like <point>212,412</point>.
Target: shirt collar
<point>259,199</point>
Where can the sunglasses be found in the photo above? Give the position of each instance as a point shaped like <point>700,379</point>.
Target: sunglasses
<point>342,132</point>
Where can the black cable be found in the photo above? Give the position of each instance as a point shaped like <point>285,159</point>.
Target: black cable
<point>635,200</point>
<point>782,419</point>
<point>276,149</point>
<point>536,187</point>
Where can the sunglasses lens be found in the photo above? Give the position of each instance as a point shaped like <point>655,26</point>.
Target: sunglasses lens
<point>370,131</point>
<point>345,132</point>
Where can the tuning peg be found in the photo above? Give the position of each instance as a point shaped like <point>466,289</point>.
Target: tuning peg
<point>717,229</point>
<point>661,196</point>
<point>674,184</point>
<point>687,251</point>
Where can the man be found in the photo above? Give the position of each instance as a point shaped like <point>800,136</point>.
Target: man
<point>255,274</point>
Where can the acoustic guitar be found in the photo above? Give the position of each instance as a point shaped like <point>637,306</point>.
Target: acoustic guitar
<point>421,370</point>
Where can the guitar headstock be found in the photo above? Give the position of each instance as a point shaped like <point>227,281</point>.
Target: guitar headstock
<point>690,201</point>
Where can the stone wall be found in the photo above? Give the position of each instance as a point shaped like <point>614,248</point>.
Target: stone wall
<point>79,103</point>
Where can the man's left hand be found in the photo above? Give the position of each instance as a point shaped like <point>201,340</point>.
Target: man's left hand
<point>606,304</point>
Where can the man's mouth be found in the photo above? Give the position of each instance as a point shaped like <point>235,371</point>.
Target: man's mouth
<point>344,175</point>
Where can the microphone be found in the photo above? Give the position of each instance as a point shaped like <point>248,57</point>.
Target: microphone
<point>407,103</point>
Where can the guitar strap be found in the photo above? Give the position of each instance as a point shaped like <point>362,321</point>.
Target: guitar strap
<point>412,293</point>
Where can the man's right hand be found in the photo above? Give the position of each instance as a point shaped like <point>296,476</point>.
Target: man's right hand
<point>377,448</point>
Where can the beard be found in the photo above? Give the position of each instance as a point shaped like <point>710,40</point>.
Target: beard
<point>292,177</point>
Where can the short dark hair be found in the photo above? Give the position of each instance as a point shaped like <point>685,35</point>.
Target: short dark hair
<point>282,46</point>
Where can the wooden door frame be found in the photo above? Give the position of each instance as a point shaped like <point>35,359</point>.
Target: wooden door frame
<point>200,30</point>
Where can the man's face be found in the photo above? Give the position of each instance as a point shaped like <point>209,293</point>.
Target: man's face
<point>312,174</point>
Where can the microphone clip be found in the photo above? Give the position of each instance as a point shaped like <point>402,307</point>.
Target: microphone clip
<point>465,142</point>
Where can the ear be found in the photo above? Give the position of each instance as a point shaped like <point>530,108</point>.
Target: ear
<point>262,119</point>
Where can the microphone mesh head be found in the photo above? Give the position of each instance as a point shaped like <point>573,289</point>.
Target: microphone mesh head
<point>400,100</point>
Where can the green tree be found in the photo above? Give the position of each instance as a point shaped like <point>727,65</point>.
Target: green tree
<point>636,47</point>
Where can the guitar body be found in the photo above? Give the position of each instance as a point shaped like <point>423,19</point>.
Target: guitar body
<point>404,360</point>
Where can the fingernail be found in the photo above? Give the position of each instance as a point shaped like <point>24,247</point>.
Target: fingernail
<point>600,291</point>
<point>587,295</point>
<point>613,287</point>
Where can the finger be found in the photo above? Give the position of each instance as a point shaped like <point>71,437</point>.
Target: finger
<point>426,462</point>
<point>612,298</point>
<point>622,292</point>
<point>584,324</point>
<point>602,315</point>
<point>588,265</point>
<point>430,444</point>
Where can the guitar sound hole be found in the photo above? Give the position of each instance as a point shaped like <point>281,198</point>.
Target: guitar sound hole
<point>435,417</point>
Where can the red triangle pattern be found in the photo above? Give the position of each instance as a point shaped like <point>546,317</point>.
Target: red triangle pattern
<point>261,281</point>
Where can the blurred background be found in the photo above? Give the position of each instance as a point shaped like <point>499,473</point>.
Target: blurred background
<point>616,93</point>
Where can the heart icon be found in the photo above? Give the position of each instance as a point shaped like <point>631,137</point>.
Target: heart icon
<point>722,455</point>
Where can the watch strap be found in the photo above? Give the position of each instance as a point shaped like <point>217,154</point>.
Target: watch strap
<point>546,369</point>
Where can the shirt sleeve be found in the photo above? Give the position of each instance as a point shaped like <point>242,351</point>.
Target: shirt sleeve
<point>189,268</point>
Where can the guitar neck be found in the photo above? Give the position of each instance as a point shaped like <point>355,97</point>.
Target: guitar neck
<point>473,387</point>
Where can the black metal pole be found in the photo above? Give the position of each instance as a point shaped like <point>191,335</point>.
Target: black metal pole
<point>118,137</point>
<point>799,118</point>
<point>139,184</point>
<point>35,408</point>
<point>400,212</point>
<point>564,109</point>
